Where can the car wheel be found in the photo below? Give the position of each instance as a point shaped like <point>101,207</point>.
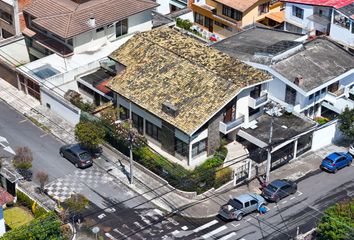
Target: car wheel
<point>61,154</point>
<point>277,200</point>
<point>349,163</point>
<point>335,170</point>
<point>76,165</point>
<point>239,217</point>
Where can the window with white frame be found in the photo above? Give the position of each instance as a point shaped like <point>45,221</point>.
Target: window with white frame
<point>122,27</point>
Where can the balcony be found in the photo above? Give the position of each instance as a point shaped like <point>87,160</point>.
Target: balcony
<point>225,128</point>
<point>257,102</point>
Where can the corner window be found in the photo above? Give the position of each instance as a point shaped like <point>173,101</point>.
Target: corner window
<point>153,131</point>
<point>341,20</point>
<point>263,8</point>
<point>298,12</point>
<point>181,147</point>
<point>199,147</point>
<point>122,28</point>
<point>232,13</point>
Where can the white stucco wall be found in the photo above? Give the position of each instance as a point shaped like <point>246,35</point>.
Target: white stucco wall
<point>342,35</point>
<point>60,106</point>
<point>164,7</point>
<point>303,23</point>
<point>325,135</point>
<point>242,104</point>
<point>201,157</point>
<point>140,22</point>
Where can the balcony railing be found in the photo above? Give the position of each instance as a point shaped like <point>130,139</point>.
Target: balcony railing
<point>229,126</point>
<point>257,102</point>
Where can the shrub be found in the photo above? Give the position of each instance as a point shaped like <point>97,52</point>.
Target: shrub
<point>89,134</point>
<point>185,24</point>
<point>42,177</point>
<point>222,176</point>
<point>26,201</point>
<point>76,203</point>
<point>321,120</point>
<point>23,158</point>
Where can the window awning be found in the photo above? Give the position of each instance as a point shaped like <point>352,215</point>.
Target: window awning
<point>177,4</point>
<point>278,17</point>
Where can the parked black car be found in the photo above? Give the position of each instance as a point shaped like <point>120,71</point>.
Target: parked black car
<point>279,189</point>
<point>76,154</point>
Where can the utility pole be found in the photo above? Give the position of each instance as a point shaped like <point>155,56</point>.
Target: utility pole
<point>130,139</point>
<point>269,151</point>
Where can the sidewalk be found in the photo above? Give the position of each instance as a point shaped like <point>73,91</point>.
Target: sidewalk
<point>153,189</point>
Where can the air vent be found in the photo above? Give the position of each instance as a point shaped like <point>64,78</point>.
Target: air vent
<point>170,109</point>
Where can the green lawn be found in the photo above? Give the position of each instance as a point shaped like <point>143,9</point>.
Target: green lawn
<point>16,217</point>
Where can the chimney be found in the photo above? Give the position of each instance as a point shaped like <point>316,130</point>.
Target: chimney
<point>170,109</point>
<point>92,22</point>
<point>299,81</point>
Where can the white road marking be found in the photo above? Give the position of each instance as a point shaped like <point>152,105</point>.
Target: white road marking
<point>242,239</point>
<point>158,212</point>
<point>43,135</point>
<point>138,225</point>
<point>275,206</point>
<point>22,121</point>
<point>175,232</point>
<point>119,232</point>
<point>300,193</point>
<point>283,202</point>
<point>292,198</point>
<point>268,209</point>
<point>101,216</point>
<point>174,222</point>
<point>184,228</point>
<point>147,221</point>
<point>216,231</point>
<point>228,236</point>
<point>238,224</point>
<point>248,219</point>
<point>152,215</point>
<point>110,236</point>
<point>211,223</point>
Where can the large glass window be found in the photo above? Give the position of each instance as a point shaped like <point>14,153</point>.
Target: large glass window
<point>231,13</point>
<point>181,147</point>
<point>122,28</point>
<point>208,22</point>
<point>290,95</point>
<point>199,147</point>
<point>341,20</point>
<point>153,131</point>
<point>298,12</point>
<point>138,123</point>
<point>198,18</point>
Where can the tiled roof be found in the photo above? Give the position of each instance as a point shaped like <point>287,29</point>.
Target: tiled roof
<point>240,5</point>
<point>328,3</point>
<point>5,197</point>
<point>163,65</point>
<point>66,18</point>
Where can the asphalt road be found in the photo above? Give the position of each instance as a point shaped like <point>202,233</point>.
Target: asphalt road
<point>123,214</point>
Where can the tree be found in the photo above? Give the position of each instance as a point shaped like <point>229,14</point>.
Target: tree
<point>76,203</point>
<point>89,134</point>
<point>346,122</point>
<point>23,158</point>
<point>42,178</point>
<point>337,223</point>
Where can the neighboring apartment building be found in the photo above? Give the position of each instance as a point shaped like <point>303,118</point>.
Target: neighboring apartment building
<point>226,17</point>
<point>170,6</point>
<point>11,18</point>
<point>342,25</point>
<point>313,78</point>
<point>183,95</point>
<point>68,27</point>
<point>311,16</point>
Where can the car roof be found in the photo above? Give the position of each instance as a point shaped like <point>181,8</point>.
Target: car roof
<point>335,155</point>
<point>246,197</point>
<point>279,183</point>
<point>76,148</point>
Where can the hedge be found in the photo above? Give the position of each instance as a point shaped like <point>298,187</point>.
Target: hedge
<point>26,201</point>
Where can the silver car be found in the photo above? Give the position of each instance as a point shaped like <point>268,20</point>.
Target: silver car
<point>239,206</point>
<point>351,149</point>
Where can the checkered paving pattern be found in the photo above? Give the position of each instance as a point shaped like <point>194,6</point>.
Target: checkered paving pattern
<point>61,188</point>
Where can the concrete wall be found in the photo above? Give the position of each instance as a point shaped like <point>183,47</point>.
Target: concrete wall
<point>303,23</point>
<point>325,135</point>
<point>60,106</point>
<point>342,35</point>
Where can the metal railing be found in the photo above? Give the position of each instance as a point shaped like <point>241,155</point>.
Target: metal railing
<point>227,127</point>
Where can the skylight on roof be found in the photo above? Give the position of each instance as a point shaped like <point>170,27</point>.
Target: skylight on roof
<point>45,72</point>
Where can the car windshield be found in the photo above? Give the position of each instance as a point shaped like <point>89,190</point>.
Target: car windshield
<point>236,203</point>
<point>328,160</point>
<point>84,156</point>
<point>272,188</point>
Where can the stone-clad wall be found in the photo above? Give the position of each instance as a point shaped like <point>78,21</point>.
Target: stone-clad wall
<point>214,134</point>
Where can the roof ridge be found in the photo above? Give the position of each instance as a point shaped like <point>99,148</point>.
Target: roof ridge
<point>68,25</point>
<point>196,63</point>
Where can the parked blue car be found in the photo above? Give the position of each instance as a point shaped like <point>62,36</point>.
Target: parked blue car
<point>335,161</point>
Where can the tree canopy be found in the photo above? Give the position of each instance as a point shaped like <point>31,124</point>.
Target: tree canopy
<point>337,222</point>
<point>89,134</point>
<point>346,122</point>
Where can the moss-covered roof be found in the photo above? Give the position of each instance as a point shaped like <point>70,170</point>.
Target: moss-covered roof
<point>166,66</point>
